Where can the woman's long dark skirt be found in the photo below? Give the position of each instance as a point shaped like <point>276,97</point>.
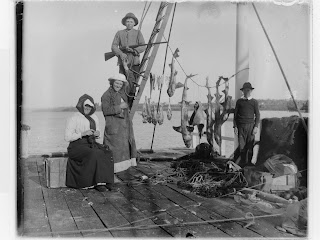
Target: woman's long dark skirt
<point>87,166</point>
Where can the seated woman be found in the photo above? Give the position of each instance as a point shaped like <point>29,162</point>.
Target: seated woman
<point>118,134</point>
<point>90,164</point>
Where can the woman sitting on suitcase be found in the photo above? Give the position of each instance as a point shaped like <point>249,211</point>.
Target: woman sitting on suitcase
<point>90,164</point>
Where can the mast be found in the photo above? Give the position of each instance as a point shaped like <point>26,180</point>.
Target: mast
<point>151,51</point>
<point>242,51</point>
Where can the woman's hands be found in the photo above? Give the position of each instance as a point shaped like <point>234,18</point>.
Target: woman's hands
<point>90,132</point>
<point>87,133</point>
<point>96,133</point>
<point>123,105</point>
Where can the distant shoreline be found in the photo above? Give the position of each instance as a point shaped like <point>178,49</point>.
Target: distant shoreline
<point>264,105</point>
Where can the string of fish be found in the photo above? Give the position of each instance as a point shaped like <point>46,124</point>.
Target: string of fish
<point>199,85</point>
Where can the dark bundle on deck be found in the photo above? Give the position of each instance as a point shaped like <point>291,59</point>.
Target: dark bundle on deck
<point>207,178</point>
<point>285,136</point>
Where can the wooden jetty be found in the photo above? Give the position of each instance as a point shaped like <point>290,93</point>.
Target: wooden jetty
<point>166,210</point>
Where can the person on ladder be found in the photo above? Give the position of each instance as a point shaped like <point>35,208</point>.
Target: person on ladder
<point>129,59</point>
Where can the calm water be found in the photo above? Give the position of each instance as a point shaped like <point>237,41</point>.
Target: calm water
<point>47,131</point>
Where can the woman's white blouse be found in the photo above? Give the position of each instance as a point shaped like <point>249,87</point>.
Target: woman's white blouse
<point>78,124</point>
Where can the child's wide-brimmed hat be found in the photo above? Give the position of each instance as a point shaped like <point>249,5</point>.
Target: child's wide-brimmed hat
<point>130,15</point>
<point>246,85</point>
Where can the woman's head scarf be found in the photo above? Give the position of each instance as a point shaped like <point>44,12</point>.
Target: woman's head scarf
<point>80,107</point>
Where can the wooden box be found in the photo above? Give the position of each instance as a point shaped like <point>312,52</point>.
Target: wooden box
<point>55,172</point>
<point>284,183</point>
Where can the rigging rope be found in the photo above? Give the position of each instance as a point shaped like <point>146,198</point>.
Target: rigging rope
<point>146,11</point>
<point>143,15</point>
<point>140,24</point>
<point>248,216</point>
<point>279,64</point>
<point>195,81</point>
<point>164,67</point>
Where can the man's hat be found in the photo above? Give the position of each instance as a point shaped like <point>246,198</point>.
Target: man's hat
<point>130,15</point>
<point>119,77</point>
<point>246,85</point>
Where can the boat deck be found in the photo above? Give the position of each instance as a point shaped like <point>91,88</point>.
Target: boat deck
<point>66,212</point>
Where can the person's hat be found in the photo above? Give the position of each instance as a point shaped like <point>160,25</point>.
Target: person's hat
<point>130,15</point>
<point>88,102</point>
<point>246,85</point>
<point>120,77</point>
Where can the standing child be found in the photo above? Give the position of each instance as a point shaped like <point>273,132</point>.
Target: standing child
<point>245,123</point>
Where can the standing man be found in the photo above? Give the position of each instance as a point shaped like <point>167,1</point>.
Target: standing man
<point>245,123</point>
<point>129,58</point>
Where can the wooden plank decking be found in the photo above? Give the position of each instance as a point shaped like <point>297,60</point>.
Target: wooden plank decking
<point>69,212</point>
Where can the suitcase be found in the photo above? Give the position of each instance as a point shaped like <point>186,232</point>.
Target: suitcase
<point>55,172</point>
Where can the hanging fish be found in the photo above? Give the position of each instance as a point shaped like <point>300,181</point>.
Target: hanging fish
<point>152,83</point>
<point>144,111</point>
<point>173,75</point>
<point>151,108</point>
<point>169,112</point>
<point>179,85</point>
<point>198,118</point>
<point>149,114</point>
<point>160,115</point>
<point>184,129</point>
<point>160,81</point>
<point>154,114</point>
<point>210,111</point>
<point>167,81</point>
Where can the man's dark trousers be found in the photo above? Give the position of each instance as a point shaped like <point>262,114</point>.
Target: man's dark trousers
<point>246,141</point>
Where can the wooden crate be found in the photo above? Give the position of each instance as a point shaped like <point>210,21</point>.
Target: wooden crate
<point>284,183</point>
<point>55,172</point>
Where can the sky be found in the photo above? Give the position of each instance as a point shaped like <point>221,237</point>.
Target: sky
<point>64,43</point>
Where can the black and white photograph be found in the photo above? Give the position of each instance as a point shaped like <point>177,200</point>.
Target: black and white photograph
<point>157,119</point>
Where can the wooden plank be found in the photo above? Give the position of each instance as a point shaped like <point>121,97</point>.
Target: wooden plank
<point>59,215</point>
<point>149,209</point>
<point>106,212</point>
<point>175,209</point>
<point>156,202</point>
<point>175,215</point>
<point>112,216</point>
<point>227,211</point>
<point>35,216</point>
<point>265,227</point>
<point>83,214</point>
<point>132,213</point>
<point>231,228</point>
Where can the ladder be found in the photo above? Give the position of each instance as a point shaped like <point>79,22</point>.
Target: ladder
<point>151,51</point>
